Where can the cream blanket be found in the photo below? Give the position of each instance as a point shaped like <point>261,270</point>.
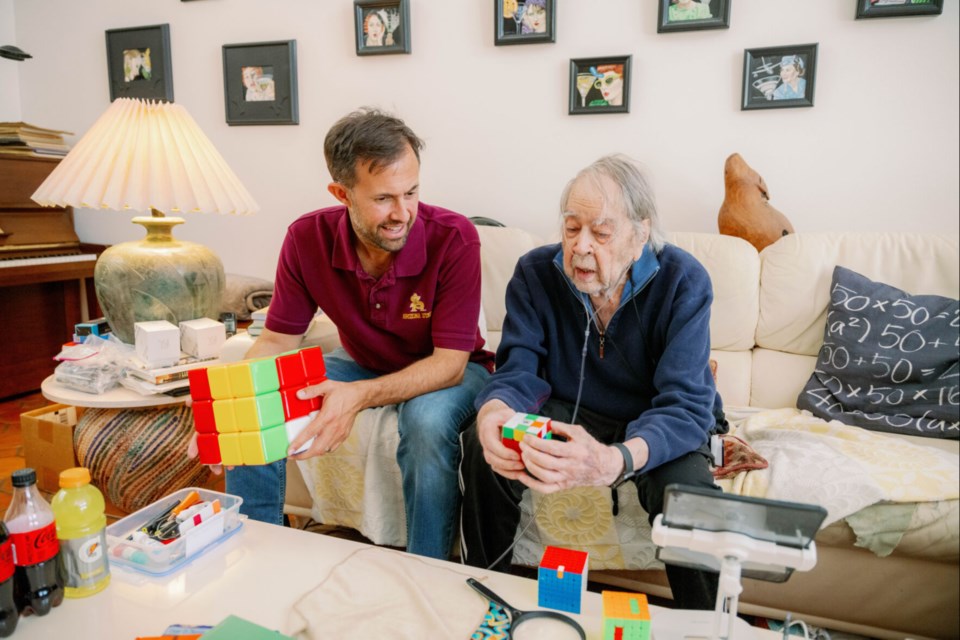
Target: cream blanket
<point>842,468</point>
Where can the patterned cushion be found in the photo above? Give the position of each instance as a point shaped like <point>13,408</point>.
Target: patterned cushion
<point>137,456</point>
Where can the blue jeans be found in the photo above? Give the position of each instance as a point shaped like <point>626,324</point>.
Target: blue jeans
<point>428,455</point>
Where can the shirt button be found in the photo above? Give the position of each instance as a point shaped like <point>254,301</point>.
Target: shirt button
<point>378,305</point>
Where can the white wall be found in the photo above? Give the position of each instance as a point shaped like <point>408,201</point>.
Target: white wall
<point>879,150</point>
<point>9,70</point>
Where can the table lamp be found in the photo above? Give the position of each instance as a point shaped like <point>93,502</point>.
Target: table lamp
<point>150,156</point>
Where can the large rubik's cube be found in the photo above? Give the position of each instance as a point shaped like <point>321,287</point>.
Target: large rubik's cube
<point>626,616</point>
<point>524,424</point>
<point>562,579</point>
<point>248,412</point>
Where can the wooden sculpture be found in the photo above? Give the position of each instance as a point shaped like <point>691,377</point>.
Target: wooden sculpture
<point>746,211</point>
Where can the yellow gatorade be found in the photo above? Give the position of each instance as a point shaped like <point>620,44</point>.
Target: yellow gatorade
<point>78,509</point>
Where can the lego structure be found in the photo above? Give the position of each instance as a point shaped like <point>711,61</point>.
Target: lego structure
<point>562,579</point>
<point>626,616</point>
<point>248,413</point>
<point>524,424</point>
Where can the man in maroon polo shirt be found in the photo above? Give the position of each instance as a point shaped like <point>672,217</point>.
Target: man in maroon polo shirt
<point>401,280</point>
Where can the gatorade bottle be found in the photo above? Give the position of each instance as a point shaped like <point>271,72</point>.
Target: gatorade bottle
<point>8,607</point>
<point>37,582</point>
<point>81,529</point>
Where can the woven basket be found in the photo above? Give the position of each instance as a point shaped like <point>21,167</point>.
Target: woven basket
<point>137,456</point>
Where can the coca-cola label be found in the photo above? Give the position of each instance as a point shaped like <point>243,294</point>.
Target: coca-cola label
<point>35,546</point>
<point>6,560</point>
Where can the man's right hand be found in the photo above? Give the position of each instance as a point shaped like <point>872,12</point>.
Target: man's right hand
<point>504,461</point>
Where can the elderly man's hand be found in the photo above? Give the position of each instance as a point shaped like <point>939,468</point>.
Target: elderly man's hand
<point>504,461</point>
<point>581,461</point>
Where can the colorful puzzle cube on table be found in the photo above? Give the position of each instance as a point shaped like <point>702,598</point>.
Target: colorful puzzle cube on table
<point>562,579</point>
<point>248,412</point>
<point>626,616</point>
<point>524,424</point>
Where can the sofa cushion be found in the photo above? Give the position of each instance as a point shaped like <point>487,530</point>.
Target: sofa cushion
<point>889,360</point>
<point>797,269</point>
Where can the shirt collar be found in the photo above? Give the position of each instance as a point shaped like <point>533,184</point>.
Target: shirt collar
<point>641,272</point>
<point>409,261</point>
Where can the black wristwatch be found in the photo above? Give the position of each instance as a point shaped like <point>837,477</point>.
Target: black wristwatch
<point>628,471</point>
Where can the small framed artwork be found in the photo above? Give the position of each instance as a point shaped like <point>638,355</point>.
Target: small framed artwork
<point>896,8</point>
<point>138,63</point>
<point>779,77</point>
<point>524,21</point>
<point>260,82</point>
<point>382,27</point>
<point>600,85</point>
<point>691,15</point>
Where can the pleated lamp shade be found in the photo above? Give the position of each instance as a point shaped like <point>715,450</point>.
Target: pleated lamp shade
<point>150,157</point>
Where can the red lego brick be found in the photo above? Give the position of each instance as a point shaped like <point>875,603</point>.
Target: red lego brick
<point>290,371</point>
<point>199,384</point>
<point>314,368</point>
<point>294,407</point>
<point>203,419</point>
<point>209,447</point>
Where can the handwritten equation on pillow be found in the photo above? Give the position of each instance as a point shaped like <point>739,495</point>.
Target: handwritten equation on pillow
<point>890,361</point>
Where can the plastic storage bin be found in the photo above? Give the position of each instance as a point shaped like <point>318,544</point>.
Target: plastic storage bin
<point>160,560</point>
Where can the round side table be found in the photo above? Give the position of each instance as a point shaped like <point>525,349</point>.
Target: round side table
<point>135,446</point>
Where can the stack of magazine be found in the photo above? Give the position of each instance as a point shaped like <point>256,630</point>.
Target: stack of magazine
<point>170,380</point>
<point>20,138</point>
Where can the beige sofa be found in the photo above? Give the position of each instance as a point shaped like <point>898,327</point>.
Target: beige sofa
<point>767,325</point>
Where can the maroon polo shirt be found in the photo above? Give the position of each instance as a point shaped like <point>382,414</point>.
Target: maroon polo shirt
<point>428,298</point>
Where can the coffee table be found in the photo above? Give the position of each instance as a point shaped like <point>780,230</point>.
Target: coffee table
<point>258,574</point>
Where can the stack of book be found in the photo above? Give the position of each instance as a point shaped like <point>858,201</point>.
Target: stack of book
<point>170,380</point>
<point>20,138</point>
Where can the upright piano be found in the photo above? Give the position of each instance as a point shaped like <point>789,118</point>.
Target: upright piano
<point>46,276</point>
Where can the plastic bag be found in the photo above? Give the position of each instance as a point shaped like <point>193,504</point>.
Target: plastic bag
<point>94,366</point>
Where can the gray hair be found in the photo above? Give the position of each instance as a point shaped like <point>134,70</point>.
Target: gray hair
<point>636,195</point>
<point>366,135</point>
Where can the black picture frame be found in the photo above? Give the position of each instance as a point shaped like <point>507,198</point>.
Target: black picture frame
<point>393,18</point>
<point>260,83</point>
<point>138,63</point>
<point>589,98</point>
<point>719,16</point>
<point>874,9</point>
<point>508,29</point>
<point>763,84</point>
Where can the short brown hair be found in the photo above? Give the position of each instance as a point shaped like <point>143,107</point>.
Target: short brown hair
<point>366,135</point>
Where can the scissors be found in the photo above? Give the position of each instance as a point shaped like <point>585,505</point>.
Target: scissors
<point>518,617</point>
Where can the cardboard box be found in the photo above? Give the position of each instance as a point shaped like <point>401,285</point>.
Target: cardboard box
<point>157,343</point>
<point>202,337</point>
<point>48,442</point>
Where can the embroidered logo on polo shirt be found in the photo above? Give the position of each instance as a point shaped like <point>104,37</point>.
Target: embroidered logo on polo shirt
<point>417,309</point>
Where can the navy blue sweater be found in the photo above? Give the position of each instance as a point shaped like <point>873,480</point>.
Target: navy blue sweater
<point>655,374</point>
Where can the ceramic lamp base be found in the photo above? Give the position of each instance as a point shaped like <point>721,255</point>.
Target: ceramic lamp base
<point>157,278</point>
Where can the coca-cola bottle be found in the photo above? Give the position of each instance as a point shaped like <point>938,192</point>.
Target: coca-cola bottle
<point>38,581</point>
<point>8,608</point>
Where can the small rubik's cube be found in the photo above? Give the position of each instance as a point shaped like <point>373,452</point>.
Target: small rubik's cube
<point>524,424</point>
<point>626,616</point>
<point>248,412</point>
<point>562,579</point>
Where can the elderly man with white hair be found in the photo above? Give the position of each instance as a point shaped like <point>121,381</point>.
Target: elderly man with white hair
<point>607,334</point>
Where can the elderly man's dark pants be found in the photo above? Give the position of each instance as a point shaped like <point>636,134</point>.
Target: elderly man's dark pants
<point>491,509</point>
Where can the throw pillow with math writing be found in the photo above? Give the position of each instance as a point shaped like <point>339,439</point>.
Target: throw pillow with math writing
<point>889,360</point>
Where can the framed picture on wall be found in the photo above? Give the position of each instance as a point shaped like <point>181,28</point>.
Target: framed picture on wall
<point>524,21</point>
<point>692,15</point>
<point>600,85</point>
<point>779,77</point>
<point>895,8</point>
<point>382,27</point>
<point>138,63</point>
<point>260,83</point>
